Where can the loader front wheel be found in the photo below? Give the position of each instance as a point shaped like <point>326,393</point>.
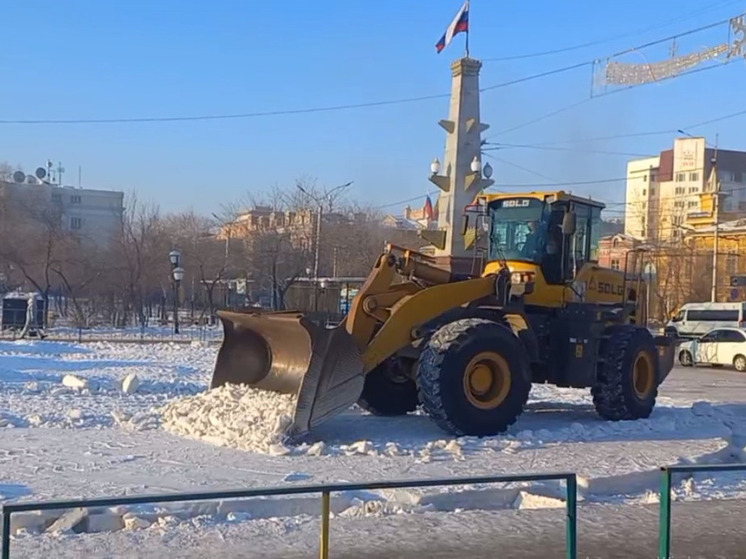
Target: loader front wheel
<point>473,377</point>
<point>627,382</point>
<point>389,389</point>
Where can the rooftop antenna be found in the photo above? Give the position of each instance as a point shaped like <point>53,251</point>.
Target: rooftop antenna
<point>60,170</point>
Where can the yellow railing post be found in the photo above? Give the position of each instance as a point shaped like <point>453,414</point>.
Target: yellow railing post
<point>325,513</point>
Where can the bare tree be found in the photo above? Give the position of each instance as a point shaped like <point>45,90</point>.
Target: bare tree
<point>34,241</point>
<point>141,252</point>
<point>205,257</point>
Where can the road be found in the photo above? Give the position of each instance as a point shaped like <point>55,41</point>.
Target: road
<point>705,383</point>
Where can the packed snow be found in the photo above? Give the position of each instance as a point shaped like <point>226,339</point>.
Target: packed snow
<point>105,418</point>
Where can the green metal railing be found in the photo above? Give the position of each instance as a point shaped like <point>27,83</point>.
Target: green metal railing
<point>325,490</point>
<point>664,535</point>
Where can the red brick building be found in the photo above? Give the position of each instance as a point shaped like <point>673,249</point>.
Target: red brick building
<point>612,250</point>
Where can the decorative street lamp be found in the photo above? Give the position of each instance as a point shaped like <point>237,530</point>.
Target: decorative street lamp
<point>177,274</point>
<point>174,257</point>
<point>475,165</point>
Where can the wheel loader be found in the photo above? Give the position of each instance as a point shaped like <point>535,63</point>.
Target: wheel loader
<point>467,348</point>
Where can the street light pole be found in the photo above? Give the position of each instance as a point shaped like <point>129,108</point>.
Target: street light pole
<point>177,274</point>
<point>317,240</point>
<point>716,215</point>
<point>317,244</point>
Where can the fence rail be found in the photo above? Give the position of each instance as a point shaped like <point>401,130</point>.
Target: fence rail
<point>187,334</point>
<point>664,526</point>
<point>325,490</point>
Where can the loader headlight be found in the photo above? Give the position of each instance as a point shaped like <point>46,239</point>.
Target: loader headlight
<point>522,277</point>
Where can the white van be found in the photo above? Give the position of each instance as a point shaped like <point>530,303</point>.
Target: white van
<point>696,319</point>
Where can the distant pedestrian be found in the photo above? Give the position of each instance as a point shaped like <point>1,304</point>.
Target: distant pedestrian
<point>31,327</point>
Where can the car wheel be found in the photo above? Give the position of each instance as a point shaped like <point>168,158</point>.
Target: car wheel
<point>685,358</point>
<point>740,363</point>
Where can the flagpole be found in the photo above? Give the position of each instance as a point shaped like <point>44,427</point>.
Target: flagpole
<point>468,7</point>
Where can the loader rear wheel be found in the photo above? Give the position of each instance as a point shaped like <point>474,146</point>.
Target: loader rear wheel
<point>389,389</point>
<point>473,377</point>
<point>627,382</point>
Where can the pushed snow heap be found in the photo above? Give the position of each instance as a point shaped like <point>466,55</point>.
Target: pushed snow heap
<point>234,416</point>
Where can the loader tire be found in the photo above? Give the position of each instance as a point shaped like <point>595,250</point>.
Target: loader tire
<point>627,383</point>
<point>473,377</point>
<point>389,390</point>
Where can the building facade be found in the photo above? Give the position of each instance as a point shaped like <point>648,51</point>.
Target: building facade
<point>663,191</point>
<point>613,251</point>
<point>92,215</point>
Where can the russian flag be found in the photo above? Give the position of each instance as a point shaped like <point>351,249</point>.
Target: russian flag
<point>459,24</point>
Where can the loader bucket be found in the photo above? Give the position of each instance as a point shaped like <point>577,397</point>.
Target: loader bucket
<point>287,353</point>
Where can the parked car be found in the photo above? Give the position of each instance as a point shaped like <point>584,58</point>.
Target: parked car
<point>696,319</point>
<point>719,347</point>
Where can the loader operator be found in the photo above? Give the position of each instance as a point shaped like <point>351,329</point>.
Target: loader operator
<point>532,245</point>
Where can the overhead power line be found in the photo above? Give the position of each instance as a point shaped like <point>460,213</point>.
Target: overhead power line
<point>611,39</point>
<point>347,106</point>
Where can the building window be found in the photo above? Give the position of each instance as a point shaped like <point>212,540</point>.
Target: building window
<point>615,264</point>
<point>75,199</point>
<point>644,191</point>
<point>75,223</point>
<point>644,178</point>
<point>693,189</point>
<point>692,204</point>
<point>693,176</point>
<point>680,190</point>
<point>680,177</point>
<point>56,197</point>
<point>731,263</point>
<point>652,191</point>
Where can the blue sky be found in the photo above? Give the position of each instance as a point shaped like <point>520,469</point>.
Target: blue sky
<point>89,59</point>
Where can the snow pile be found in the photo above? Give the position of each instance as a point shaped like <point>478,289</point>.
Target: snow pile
<point>234,416</point>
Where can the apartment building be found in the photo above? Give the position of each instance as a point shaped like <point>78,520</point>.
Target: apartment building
<point>664,191</point>
<point>93,215</point>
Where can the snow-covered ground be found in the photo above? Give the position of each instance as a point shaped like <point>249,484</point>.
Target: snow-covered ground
<point>105,419</point>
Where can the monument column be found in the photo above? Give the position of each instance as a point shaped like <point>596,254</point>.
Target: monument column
<point>459,184</point>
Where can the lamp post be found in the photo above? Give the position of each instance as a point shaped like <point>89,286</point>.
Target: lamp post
<point>177,274</point>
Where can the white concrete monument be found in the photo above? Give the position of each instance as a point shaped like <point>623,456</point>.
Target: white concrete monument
<point>459,176</point>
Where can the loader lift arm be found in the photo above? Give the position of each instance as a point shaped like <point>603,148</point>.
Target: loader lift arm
<point>385,316</point>
<point>326,367</point>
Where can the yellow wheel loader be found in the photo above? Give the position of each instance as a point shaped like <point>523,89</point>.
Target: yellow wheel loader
<point>467,348</point>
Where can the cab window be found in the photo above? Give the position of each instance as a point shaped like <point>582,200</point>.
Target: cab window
<point>679,316</point>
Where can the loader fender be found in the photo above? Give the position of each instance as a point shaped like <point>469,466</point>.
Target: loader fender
<point>412,311</point>
<point>516,322</point>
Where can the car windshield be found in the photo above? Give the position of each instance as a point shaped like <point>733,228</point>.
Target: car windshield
<point>518,229</point>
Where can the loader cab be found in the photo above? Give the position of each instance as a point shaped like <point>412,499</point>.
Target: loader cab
<point>557,233</point>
